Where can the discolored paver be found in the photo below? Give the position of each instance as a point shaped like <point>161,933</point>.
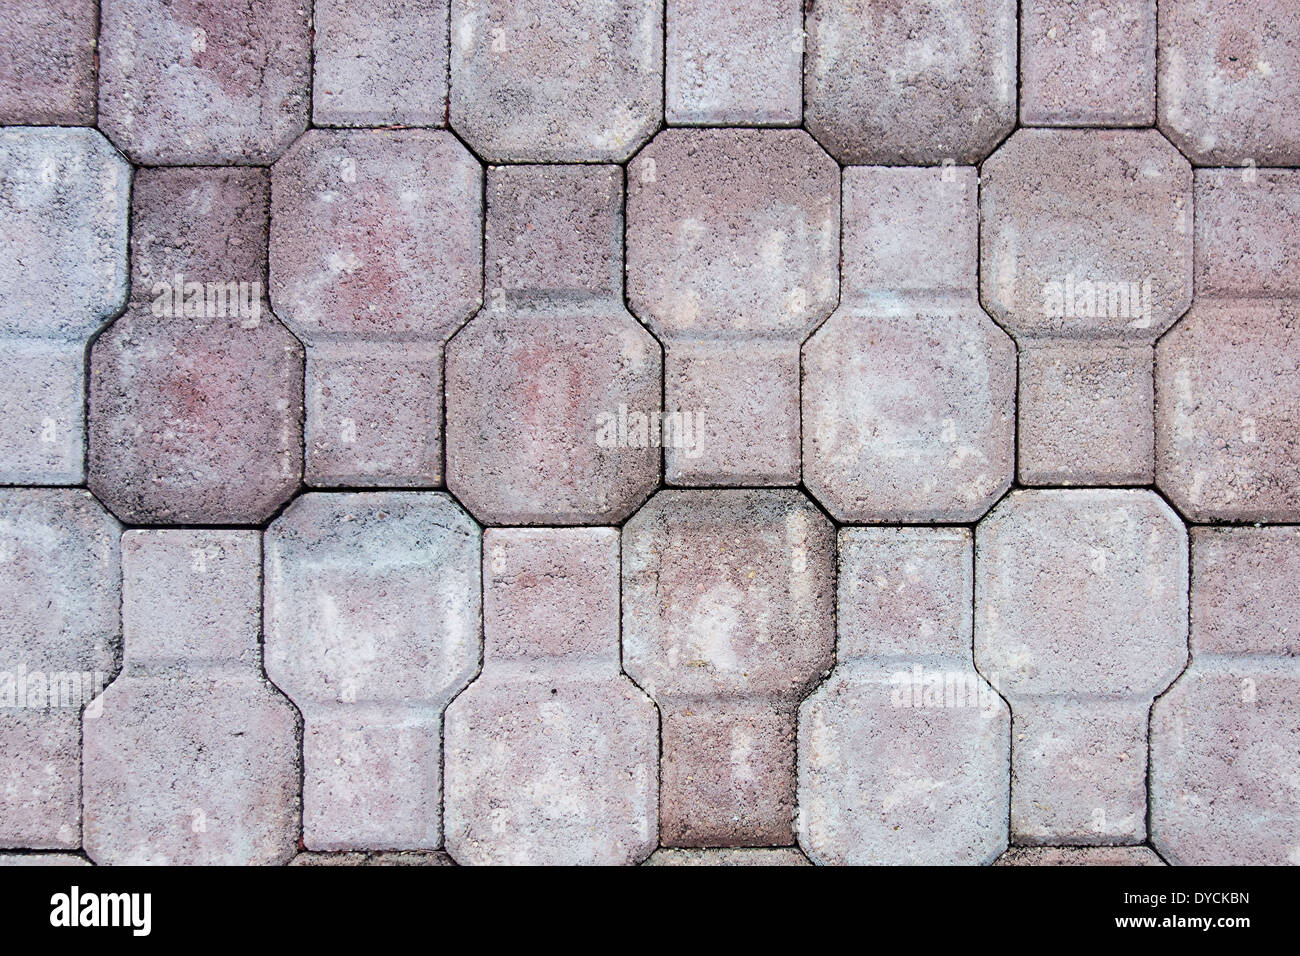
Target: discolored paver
<point>1080,620</point>
<point>1079,856</point>
<point>1224,740</point>
<point>59,646</point>
<point>743,856</point>
<point>194,758</point>
<point>732,245</point>
<point>1086,241</point>
<point>904,752</point>
<point>1088,62</point>
<point>380,64</point>
<point>1228,375</point>
<point>728,620</point>
<point>195,409</point>
<point>900,84</point>
<point>1228,80</point>
<point>882,439</point>
<point>63,233</point>
<point>412,858</point>
<point>552,752</point>
<point>372,625</point>
<point>734,64</point>
<point>535,81</point>
<point>41,859</point>
<point>553,390</point>
<point>47,62</point>
<point>376,259</point>
<point>203,81</point>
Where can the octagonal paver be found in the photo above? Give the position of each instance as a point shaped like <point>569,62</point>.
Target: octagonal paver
<point>1225,747</point>
<point>905,751</point>
<point>1088,63</point>
<point>536,81</point>
<point>728,620</point>
<point>372,626</point>
<point>379,64</point>
<point>63,235</point>
<point>882,442</point>
<point>732,251</point>
<point>196,392</point>
<point>193,757</point>
<point>202,81</point>
<point>1228,375</point>
<point>552,752</point>
<point>59,646</point>
<point>1086,242</point>
<point>47,73</point>
<point>911,83</point>
<point>1229,80</point>
<point>1080,621</point>
<point>553,390</point>
<point>376,259</point>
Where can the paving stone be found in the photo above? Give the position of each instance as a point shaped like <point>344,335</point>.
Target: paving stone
<point>41,859</point>
<point>1228,80</point>
<point>415,858</point>
<point>1088,63</point>
<point>47,62</point>
<point>744,856</point>
<point>552,753</point>
<point>1228,375</point>
<point>732,245</point>
<point>1225,747</point>
<point>372,626</point>
<point>553,390</point>
<point>728,620</point>
<point>194,759</point>
<point>734,64</point>
<point>882,442</point>
<point>1080,621</point>
<point>1079,856</point>
<point>904,752</point>
<point>376,259</point>
<point>535,81</point>
<point>59,646</point>
<point>1086,414</point>
<point>380,64</point>
<point>1086,242</point>
<point>63,219</point>
<point>201,82</point>
<point>196,392</point>
<point>901,84</point>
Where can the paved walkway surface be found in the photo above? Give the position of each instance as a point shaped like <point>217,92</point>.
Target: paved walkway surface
<point>533,431</point>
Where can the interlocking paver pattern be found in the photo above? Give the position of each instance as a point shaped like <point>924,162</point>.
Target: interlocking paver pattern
<point>649,432</point>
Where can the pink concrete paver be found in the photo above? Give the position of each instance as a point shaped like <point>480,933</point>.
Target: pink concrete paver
<point>411,858</point>
<point>552,750</point>
<point>195,408</point>
<point>553,390</point>
<point>376,259</point>
<point>743,856</point>
<point>42,859</point>
<point>59,646</point>
<point>1225,748</point>
<point>732,244</point>
<point>371,627</point>
<point>63,232</point>
<point>1080,621</point>
<point>1079,856</point>
<point>1228,375</point>
<point>1086,241</point>
<point>882,442</point>
<point>1088,62</point>
<point>535,81</point>
<point>905,751</point>
<point>734,64</point>
<point>1228,80</point>
<point>47,62</point>
<point>194,758</point>
<point>204,81</point>
<point>728,621</point>
<point>380,64</point>
<point>904,84</point>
